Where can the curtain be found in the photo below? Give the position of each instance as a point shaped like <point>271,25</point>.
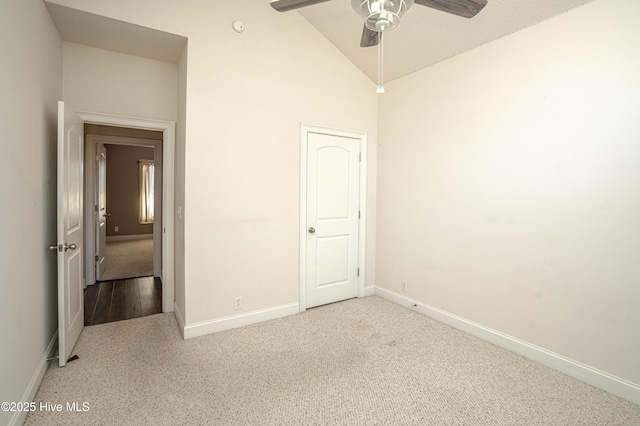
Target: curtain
<point>145,210</point>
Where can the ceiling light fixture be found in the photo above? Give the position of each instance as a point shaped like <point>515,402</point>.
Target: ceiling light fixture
<point>380,16</point>
<point>383,15</point>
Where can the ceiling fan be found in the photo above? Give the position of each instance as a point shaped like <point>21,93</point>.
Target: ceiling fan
<point>383,15</point>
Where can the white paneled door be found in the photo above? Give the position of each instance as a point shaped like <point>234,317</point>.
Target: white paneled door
<point>332,217</point>
<point>69,223</point>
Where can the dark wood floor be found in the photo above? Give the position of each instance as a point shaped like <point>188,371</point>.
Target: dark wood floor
<point>109,301</point>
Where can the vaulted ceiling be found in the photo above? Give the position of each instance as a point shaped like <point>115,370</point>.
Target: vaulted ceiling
<point>426,36</point>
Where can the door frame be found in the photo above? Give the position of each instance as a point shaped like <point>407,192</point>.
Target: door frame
<point>91,176</point>
<point>305,130</point>
<point>168,191</point>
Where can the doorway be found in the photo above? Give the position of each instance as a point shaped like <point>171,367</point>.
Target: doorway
<point>160,285</point>
<point>125,201</point>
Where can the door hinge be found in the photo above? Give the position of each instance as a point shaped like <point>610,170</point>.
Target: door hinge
<point>359,156</point>
<point>358,271</point>
<point>96,257</point>
<point>95,208</point>
<point>359,214</point>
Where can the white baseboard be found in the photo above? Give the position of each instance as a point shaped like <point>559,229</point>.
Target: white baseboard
<point>600,379</point>
<point>29,395</point>
<point>130,237</point>
<point>369,291</point>
<point>234,321</point>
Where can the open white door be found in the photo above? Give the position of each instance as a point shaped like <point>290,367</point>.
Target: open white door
<point>101,210</point>
<point>70,238</point>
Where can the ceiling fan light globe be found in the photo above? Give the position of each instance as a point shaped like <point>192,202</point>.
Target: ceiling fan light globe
<point>381,15</point>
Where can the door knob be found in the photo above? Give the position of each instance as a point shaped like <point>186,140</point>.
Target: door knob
<point>70,246</point>
<point>312,230</point>
<point>53,247</point>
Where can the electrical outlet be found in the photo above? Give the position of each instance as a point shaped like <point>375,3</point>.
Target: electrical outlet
<point>237,303</point>
<point>403,286</point>
<point>116,229</point>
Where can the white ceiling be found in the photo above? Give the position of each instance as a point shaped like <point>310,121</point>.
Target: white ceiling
<point>426,36</point>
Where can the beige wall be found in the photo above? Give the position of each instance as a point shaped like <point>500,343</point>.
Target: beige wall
<point>123,189</point>
<point>103,81</point>
<point>31,85</point>
<point>509,184</point>
<point>246,97</point>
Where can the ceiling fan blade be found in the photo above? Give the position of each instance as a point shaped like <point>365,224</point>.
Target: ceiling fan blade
<point>285,5</point>
<point>464,8</point>
<point>369,37</point>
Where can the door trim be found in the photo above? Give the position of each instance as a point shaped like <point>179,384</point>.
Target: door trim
<point>91,142</point>
<point>168,158</point>
<point>305,129</point>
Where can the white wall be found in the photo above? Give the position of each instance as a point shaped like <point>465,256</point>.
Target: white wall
<point>30,87</point>
<point>103,81</point>
<point>246,96</point>
<point>509,186</point>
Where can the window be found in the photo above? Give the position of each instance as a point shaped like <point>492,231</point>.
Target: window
<point>145,210</point>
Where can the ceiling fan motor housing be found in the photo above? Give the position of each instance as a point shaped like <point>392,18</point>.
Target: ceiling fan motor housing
<point>381,15</point>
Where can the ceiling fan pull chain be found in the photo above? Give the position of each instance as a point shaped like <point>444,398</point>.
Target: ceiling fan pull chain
<point>380,88</point>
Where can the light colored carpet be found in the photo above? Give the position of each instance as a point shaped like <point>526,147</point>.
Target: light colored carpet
<point>359,362</point>
<point>128,259</point>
